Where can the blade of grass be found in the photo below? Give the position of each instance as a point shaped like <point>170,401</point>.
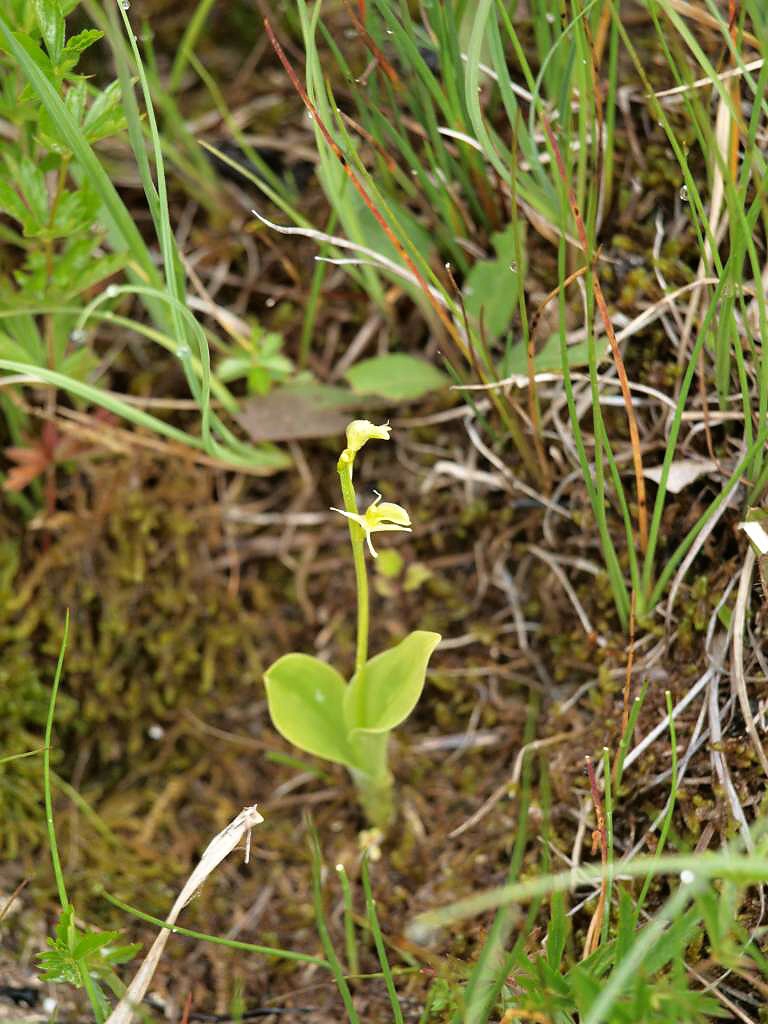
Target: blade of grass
<point>246,947</point>
<point>322,928</point>
<point>188,42</point>
<point>350,941</point>
<point>47,790</point>
<point>748,869</point>
<point>670,810</point>
<point>107,400</point>
<point>381,952</point>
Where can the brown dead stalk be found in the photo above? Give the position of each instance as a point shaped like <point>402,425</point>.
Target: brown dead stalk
<point>599,838</point>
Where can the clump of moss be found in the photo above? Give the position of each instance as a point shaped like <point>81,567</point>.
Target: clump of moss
<point>154,630</point>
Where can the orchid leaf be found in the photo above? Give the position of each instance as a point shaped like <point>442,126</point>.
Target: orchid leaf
<point>306,703</point>
<point>386,690</point>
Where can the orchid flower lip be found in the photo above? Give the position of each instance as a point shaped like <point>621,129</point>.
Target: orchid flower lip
<point>379,517</point>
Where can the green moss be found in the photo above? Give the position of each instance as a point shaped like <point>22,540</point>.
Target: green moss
<point>154,632</point>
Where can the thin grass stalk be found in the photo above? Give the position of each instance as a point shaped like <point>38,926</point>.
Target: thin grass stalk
<point>650,594</point>
<point>171,261</point>
<point>610,558</point>
<point>350,940</point>
<point>276,189</point>
<point>364,187</point>
<point>534,408</point>
<point>734,480</point>
<point>378,939</point>
<point>322,929</point>
<point>608,798</point>
<point>217,940</point>
<point>492,968</point>
<point>105,399</point>
<point>626,738</point>
<point>623,973</point>
<point>671,801</point>
<point>188,42</point>
<point>47,794</point>
<point>85,978</point>
<point>174,281</point>
<point>743,869</point>
<point>637,461</point>
<point>312,307</point>
<point>357,184</point>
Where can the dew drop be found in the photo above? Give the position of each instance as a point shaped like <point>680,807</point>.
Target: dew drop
<point>684,193</point>
<point>125,4</point>
<point>687,877</point>
<point>270,302</point>
<point>111,291</point>
<point>77,337</point>
<point>183,352</point>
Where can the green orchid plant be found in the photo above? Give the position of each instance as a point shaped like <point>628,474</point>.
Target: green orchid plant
<point>314,707</point>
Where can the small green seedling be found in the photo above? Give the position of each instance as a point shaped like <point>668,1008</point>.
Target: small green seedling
<point>87,960</point>
<point>310,702</point>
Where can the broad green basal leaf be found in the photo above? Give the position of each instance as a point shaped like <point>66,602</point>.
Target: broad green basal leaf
<point>492,287</point>
<point>386,691</point>
<point>396,376</point>
<point>306,703</point>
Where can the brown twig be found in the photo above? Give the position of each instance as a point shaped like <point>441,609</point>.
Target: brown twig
<point>634,434</point>
<point>599,838</point>
<point>376,53</point>
<point>13,897</point>
<point>187,1009</point>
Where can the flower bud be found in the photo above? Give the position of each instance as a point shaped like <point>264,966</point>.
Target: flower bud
<point>360,431</point>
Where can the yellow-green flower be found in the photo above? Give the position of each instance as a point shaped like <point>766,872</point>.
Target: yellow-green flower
<point>360,431</point>
<point>379,517</point>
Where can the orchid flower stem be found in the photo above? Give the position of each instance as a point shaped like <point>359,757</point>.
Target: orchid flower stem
<point>357,539</point>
